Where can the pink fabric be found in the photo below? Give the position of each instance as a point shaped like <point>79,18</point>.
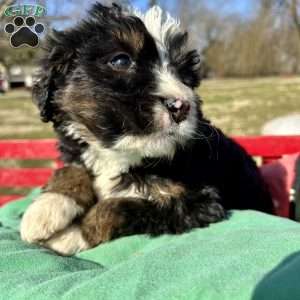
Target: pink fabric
<point>280,176</point>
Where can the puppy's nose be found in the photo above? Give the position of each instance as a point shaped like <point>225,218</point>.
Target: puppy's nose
<point>178,109</point>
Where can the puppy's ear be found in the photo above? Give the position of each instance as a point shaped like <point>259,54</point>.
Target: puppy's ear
<point>55,66</point>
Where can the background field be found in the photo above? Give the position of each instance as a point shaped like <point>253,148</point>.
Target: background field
<point>239,107</point>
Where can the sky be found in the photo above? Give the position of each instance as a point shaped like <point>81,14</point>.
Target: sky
<point>234,6</point>
<point>241,7</point>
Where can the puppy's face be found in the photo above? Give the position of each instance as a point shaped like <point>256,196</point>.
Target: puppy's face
<point>124,80</point>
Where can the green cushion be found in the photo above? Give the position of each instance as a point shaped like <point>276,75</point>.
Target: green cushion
<point>250,256</point>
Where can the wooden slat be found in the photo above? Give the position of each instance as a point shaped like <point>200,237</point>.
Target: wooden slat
<point>10,177</point>
<point>270,146</point>
<point>8,198</point>
<point>28,149</point>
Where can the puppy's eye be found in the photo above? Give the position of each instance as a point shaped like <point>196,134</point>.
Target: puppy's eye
<point>121,62</point>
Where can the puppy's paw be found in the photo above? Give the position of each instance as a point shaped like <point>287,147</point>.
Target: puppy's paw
<point>68,241</point>
<point>205,206</point>
<point>215,212</point>
<point>50,213</point>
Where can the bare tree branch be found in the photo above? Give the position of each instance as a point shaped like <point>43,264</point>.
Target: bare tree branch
<point>295,16</point>
<point>152,3</point>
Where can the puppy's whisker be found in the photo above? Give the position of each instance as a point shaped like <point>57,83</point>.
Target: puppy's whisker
<point>213,131</point>
<point>153,164</point>
<point>150,123</point>
<point>212,128</point>
<point>203,137</point>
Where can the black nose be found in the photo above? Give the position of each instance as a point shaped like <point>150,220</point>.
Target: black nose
<point>178,109</point>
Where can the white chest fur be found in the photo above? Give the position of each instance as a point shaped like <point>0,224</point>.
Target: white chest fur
<point>107,165</point>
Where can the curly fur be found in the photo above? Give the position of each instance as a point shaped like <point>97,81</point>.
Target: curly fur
<point>150,174</point>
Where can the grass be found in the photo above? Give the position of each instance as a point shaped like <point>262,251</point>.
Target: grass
<point>238,106</point>
<point>19,118</point>
<point>243,106</point>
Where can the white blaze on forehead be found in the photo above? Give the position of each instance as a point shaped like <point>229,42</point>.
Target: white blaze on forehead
<point>162,28</point>
<point>160,25</point>
<point>169,86</point>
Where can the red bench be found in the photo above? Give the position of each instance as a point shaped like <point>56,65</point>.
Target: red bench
<point>25,177</point>
<point>269,148</point>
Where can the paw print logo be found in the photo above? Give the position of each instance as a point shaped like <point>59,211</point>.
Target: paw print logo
<point>24,32</point>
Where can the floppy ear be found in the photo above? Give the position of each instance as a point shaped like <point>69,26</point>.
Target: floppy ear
<point>55,66</point>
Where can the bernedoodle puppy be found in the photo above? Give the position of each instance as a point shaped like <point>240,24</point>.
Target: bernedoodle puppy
<point>120,90</point>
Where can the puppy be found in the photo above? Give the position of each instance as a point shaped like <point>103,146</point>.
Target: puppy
<point>120,90</point>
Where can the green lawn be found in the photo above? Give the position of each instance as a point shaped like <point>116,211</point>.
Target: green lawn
<point>241,107</point>
<point>238,106</point>
<point>19,118</point>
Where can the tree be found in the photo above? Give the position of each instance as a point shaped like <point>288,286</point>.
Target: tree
<point>152,3</point>
<point>293,6</point>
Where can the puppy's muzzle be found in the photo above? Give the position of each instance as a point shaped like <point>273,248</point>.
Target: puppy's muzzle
<point>177,108</point>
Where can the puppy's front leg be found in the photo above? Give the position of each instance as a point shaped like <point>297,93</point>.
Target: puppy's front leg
<point>68,194</point>
<point>106,220</point>
<point>169,209</point>
<point>116,217</point>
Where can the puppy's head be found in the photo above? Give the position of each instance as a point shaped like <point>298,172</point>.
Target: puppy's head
<point>122,79</point>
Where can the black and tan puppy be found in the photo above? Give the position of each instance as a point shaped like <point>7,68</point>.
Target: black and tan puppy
<point>119,89</point>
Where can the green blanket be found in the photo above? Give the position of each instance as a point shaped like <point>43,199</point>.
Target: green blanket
<point>250,256</point>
